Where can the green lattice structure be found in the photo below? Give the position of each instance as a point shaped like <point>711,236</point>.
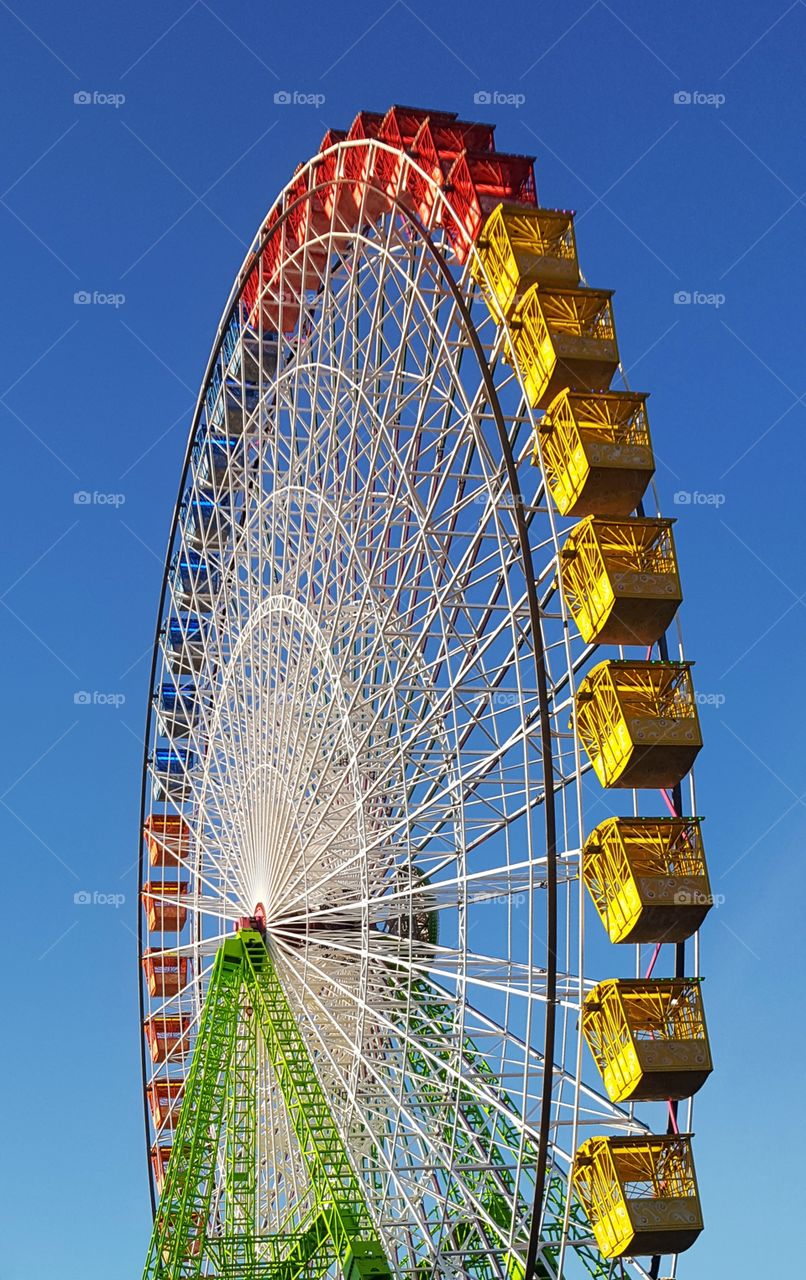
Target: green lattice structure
<point>334,1228</point>
<point>221,1088</point>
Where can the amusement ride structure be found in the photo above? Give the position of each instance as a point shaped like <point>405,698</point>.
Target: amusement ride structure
<point>417,778</point>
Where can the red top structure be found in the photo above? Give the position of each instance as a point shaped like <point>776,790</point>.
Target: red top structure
<point>359,183</point>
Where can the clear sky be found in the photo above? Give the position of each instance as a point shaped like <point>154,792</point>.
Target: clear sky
<point>147,204</point>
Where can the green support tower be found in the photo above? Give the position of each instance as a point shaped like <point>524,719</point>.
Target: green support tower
<point>246,1013</point>
<point>245,1005</point>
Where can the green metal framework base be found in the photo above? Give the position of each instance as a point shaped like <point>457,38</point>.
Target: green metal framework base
<point>244,1001</point>
<point>217,1132</point>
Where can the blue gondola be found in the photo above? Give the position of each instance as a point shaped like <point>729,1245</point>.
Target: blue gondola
<point>229,410</point>
<point>251,357</point>
<point>220,452</point>
<point>173,762</point>
<point>186,640</point>
<point>172,695</point>
<point>178,708</point>
<point>239,404</point>
<point>203,508</point>
<point>214,458</point>
<point>247,392</point>
<point>209,522</point>
<point>170,767</point>
<point>182,631</point>
<point>197,581</point>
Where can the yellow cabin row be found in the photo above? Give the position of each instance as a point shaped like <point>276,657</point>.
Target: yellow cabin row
<point>637,721</point>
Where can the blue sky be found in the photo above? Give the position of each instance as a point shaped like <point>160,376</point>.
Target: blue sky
<point>148,204</point>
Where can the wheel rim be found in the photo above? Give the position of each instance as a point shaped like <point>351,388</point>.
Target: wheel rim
<point>369,697</point>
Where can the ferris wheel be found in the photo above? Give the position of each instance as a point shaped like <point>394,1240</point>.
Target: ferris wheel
<point>415,785</point>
